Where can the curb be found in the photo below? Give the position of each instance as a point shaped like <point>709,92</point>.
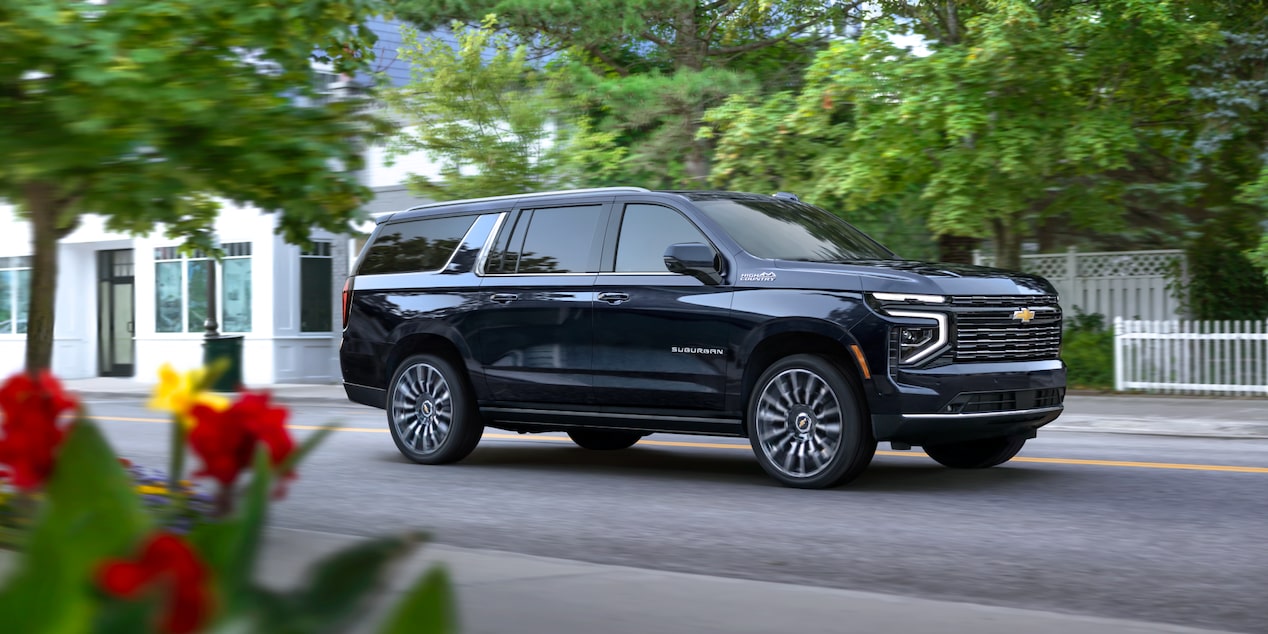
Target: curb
<point>277,397</point>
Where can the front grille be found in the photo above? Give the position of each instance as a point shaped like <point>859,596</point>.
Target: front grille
<point>990,332</point>
<point>1004,300</point>
<point>986,402</point>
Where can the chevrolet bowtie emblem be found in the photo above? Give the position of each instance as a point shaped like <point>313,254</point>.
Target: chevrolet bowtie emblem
<point>1024,314</point>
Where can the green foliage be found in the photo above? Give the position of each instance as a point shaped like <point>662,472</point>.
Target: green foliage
<point>641,73</point>
<point>1087,347</point>
<point>91,513</point>
<point>488,115</point>
<point>774,144</point>
<point>1020,112</point>
<point>148,111</point>
<point>1224,281</point>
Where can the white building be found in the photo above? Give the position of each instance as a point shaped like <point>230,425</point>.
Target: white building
<point>126,305</point>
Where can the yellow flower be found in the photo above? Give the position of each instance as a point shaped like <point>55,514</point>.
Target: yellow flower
<point>178,393</point>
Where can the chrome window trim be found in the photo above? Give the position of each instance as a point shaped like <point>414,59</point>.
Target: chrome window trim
<point>371,278</point>
<point>483,260</point>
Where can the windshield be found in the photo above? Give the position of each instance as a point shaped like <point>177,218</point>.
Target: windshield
<point>788,230</point>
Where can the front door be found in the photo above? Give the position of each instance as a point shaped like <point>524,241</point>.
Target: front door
<point>116,314</point>
<point>662,340</point>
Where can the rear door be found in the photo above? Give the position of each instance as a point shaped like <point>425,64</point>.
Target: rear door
<point>535,328</point>
<point>662,340</point>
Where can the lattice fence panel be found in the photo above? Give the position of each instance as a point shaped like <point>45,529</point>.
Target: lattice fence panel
<point>1130,284</point>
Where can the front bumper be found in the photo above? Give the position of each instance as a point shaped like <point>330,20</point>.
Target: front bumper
<point>962,402</point>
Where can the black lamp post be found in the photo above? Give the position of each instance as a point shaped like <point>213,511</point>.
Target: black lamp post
<point>211,325</point>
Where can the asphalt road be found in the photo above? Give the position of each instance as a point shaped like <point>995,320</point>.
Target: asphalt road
<point>1163,529</point>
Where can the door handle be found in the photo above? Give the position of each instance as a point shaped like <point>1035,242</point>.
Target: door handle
<point>613,298</point>
<point>130,330</point>
<point>504,298</point>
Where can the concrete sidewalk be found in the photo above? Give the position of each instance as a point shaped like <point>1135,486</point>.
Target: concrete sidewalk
<point>503,593</point>
<point>507,593</point>
<point>1205,416</point>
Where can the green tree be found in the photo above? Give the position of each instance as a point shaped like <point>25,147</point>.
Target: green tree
<point>772,144</point>
<point>489,115</point>
<point>645,71</point>
<point>148,112</point>
<point>1020,112</point>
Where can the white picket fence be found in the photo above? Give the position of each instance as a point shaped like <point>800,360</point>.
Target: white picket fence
<point>1191,357</point>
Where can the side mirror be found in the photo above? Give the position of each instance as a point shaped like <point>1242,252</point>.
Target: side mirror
<point>695,259</point>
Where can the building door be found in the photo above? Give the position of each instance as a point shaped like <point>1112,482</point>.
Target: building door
<point>116,313</point>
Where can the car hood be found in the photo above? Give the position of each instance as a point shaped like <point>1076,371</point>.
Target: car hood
<point>937,278</point>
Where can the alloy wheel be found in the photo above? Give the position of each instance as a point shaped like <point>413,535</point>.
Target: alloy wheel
<point>422,408</point>
<point>799,423</point>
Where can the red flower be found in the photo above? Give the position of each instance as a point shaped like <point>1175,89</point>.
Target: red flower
<point>166,561</point>
<point>32,436</point>
<point>226,440</point>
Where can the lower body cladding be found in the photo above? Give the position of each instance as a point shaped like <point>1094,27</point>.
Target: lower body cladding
<point>963,402</point>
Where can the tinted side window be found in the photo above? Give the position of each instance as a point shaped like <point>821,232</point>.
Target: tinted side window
<point>646,231</point>
<point>559,240</point>
<point>415,245</point>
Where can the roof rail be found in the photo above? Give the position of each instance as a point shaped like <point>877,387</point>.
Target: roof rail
<point>596,190</point>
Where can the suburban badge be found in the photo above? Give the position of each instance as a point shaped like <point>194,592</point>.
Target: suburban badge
<point>691,350</point>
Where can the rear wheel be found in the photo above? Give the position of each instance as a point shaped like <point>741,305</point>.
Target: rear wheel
<point>806,424</point>
<point>976,454</point>
<point>430,413</point>
<point>603,439</point>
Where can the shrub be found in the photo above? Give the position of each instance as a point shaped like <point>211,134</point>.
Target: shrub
<point>1087,347</point>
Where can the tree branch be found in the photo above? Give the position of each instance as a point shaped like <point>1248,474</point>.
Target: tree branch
<point>607,59</point>
<point>654,39</point>
<point>717,22</point>
<point>760,44</point>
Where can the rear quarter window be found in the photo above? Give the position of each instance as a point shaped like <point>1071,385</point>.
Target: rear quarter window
<point>415,245</point>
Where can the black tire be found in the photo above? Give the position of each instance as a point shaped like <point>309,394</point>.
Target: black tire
<point>791,413</point>
<point>430,412</point>
<point>976,454</point>
<point>604,439</point>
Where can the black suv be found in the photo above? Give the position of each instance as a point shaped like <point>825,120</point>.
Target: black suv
<point>614,313</point>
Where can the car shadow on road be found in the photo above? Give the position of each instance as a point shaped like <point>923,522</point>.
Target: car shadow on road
<point>914,474</point>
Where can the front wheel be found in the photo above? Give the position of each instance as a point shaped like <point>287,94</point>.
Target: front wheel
<point>430,412</point>
<point>976,454</point>
<point>806,424</point>
<point>604,440</point>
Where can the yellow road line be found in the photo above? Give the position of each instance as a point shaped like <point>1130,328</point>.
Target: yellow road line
<point>745,446</point>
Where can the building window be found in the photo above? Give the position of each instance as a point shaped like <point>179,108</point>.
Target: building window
<point>15,294</point>
<point>180,289</point>
<point>235,288</point>
<point>316,291</point>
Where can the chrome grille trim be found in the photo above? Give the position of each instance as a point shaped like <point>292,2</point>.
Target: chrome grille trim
<point>986,330</point>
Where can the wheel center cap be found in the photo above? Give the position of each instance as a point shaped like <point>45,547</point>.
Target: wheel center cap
<point>426,409</point>
<point>803,422</point>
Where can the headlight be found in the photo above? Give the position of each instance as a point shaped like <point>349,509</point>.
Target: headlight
<point>917,343</point>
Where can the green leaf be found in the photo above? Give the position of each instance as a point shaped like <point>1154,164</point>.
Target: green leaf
<point>91,513</point>
<point>340,584</point>
<point>427,608</point>
<point>231,545</point>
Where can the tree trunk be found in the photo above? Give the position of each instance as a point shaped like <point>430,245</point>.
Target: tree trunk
<point>956,249</point>
<point>44,207</point>
<point>697,162</point>
<point>1007,246</point>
